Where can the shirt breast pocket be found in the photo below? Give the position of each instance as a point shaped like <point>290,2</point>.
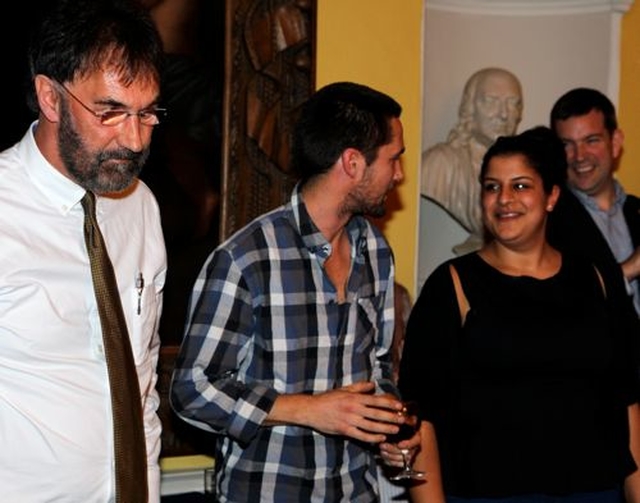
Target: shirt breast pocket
<point>145,302</point>
<point>368,321</point>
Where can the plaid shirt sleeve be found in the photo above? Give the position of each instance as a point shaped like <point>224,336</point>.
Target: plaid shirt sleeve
<point>204,383</point>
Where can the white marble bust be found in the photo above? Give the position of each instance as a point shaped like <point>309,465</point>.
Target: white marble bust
<point>491,106</point>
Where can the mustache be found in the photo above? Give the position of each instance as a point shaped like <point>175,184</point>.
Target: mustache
<point>123,154</point>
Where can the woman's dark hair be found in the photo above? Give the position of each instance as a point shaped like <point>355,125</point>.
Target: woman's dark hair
<point>542,150</point>
<point>340,116</point>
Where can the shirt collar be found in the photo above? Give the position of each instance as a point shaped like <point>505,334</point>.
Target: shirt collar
<point>62,192</point>
<point>311,236</point>
<point>590,202</point>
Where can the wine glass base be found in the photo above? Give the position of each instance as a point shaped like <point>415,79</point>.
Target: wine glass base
<point>414,475</point>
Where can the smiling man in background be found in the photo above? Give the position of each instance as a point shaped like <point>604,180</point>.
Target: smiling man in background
<point>609,230</point>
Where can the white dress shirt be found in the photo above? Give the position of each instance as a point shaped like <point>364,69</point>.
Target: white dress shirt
<point>56,431</point>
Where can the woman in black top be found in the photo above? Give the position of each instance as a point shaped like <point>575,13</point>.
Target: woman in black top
<point>528,390</point>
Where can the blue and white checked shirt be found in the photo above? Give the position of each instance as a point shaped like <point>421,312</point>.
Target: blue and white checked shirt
<point>265,321</point>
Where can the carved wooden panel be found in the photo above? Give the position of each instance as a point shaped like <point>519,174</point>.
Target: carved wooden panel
<point>269,72</point>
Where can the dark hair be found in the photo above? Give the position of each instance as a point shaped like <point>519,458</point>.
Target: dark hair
<point>340,116</point>
<point>541,148</point>
<point>581,101</point>
<point>77,37</point>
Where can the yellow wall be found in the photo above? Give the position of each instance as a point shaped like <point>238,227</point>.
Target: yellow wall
<point>379,43</point>
<point>629,102</point>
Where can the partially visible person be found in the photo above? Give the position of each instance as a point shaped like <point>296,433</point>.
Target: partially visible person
<point>95,68</point>
<point>609,230</point>
<point>527,384</point>
<point>491,106</point>
<point>402,310</point>
<point>287,351</point>
<point>390,490</point>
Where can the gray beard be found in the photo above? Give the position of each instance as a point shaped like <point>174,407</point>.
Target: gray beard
<point>105,172</point>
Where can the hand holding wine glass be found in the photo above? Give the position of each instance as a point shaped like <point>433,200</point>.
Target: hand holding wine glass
<point>407,430</point>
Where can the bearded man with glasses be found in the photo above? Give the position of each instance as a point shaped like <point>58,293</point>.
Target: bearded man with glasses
<point>95,70</point>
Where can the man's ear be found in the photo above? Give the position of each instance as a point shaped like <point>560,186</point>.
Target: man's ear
<point>48,97</point>
<point>617,139</point>
<point>351,160</point>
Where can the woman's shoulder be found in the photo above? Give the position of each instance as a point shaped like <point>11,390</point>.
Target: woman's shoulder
<point>469,263</point>
<point>444,268</point>
<point>468,267</point>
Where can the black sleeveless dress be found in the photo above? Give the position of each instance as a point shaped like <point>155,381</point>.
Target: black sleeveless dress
<point>531,394</point>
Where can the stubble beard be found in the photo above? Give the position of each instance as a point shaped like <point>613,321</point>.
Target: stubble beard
<point>359,204</point>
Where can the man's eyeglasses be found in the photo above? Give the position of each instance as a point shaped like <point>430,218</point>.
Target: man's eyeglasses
<point>148,117</point>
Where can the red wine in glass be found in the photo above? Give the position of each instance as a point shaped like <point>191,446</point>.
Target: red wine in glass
<point>406,431</point>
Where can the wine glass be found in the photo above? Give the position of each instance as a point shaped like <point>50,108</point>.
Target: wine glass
<point>407,430</point>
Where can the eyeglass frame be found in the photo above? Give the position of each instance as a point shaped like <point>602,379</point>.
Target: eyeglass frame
<point>156,113</point>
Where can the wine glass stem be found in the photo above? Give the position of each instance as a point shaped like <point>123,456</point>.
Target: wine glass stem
<point>404,453</point>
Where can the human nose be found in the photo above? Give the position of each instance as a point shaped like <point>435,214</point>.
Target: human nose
<point>570,152</point>
<point>398,175</point>
<point>134,135</point>
<point>503,110</point>
<point>505,195</point>
<point>579,151</point>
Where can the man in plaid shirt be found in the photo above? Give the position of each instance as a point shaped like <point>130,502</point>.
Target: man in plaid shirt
<point>286,354</point>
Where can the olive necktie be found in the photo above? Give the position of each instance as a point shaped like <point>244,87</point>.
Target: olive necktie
<point>129,439</point>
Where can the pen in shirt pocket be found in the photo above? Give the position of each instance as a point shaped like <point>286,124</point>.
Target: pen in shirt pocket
<point>139,288</point>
